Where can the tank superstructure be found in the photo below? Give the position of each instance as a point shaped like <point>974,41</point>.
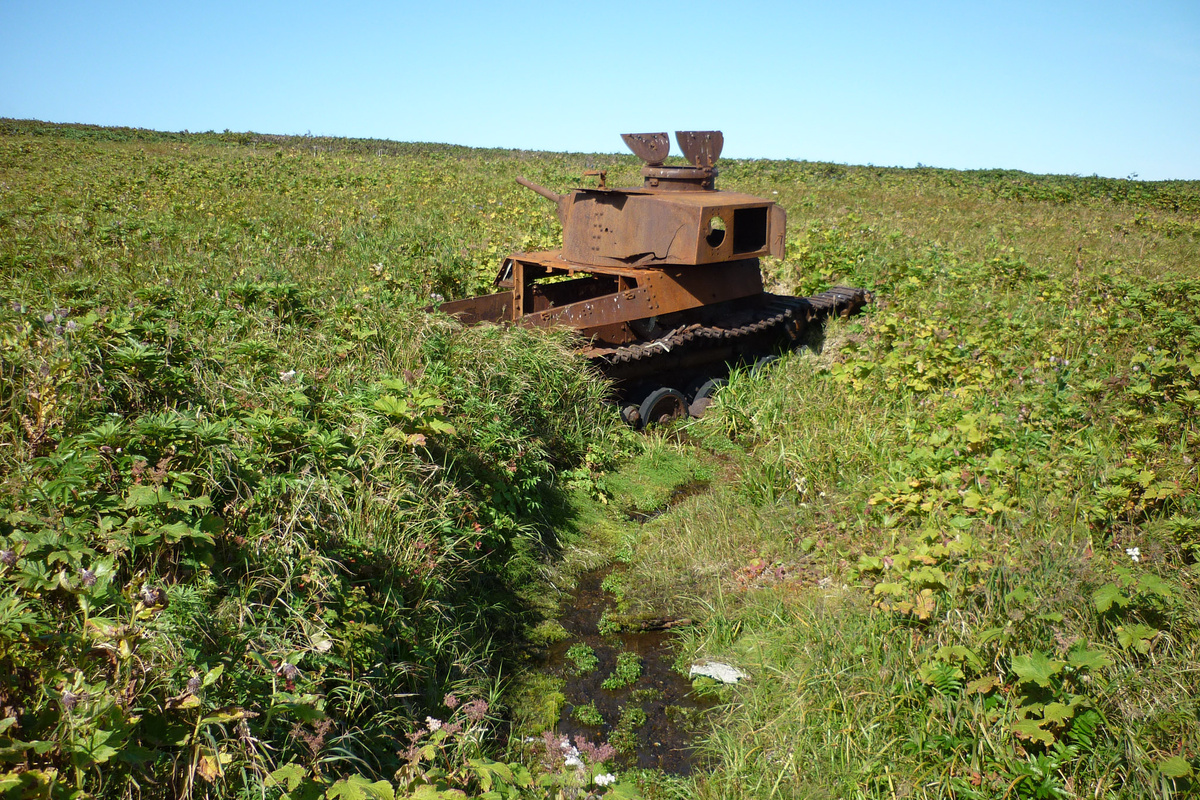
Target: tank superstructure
<point>661,280</point>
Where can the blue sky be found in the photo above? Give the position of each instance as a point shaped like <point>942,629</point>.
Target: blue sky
<point>1111,88</point>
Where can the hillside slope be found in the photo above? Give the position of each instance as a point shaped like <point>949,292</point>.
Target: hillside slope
<point>258,508</point>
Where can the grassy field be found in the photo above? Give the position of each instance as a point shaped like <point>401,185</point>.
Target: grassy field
<point>269,528</point>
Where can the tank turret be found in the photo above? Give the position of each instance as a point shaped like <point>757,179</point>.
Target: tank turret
<point>675,217</point>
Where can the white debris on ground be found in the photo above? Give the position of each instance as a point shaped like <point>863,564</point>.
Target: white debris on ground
<point>717,671</point>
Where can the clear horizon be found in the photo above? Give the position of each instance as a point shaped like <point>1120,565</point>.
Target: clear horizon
<point>1073,88</point>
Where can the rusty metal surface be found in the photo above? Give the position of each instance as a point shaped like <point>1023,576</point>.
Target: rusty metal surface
<point>637,229</point>
<point>772,315</point>
<point>656,292</point>
<point>700,148</point>
<point>667,250</point>
<point>651,148</point>
<point>487,308</point>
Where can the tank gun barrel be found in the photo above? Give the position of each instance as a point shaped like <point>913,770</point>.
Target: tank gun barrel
<point>560,200</point>
<point>542,190</point>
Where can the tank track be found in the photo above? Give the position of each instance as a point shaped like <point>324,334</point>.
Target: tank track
<point>745,328</point>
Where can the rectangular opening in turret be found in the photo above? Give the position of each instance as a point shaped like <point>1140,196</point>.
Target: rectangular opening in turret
<point>749,229</point>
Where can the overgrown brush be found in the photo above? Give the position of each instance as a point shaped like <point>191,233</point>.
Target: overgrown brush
<point>252,518</point>
<point>993,482</point>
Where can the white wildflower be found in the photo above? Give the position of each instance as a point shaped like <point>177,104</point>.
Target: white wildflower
<point>574,761</point>
<point>607,779</point>
<point>433,724</point>
<point>1134,554</point>
<point>288,377</point>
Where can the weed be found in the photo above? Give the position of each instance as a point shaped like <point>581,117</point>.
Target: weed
<point>588,715</point>
<point>626,672</point>
<point>583,658</point>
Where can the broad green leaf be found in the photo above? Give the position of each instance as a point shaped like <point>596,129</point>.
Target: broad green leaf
<point>356,787</point>
<point>1176,767</point>
<point>959,652</point>
<point>437,426</point>
<point>1036,668</point>
<point>1018,596</point>
<point>1083,658</point>
<point>870,563</point>
<point>1137,636</point>
<point>1058,713</point>
<point>1107,596</point>
<point>211,676</point>
<point>1152,584</point>
<point>1031,730</point>
<point>928,576</point>
<point>982,685</point>
<point>291,775</point>
<point>393,407</point>
<point>145,495</point>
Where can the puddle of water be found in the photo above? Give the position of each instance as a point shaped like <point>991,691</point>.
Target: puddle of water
<point>664,741</point>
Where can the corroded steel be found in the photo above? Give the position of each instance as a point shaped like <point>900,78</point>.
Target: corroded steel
<point>651,148</point>
<point>700,148</point>
<point>658,277</point>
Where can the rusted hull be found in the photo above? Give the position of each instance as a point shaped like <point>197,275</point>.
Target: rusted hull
<point>486,308</point>
<point>661,281</point>
<point>630,295</point>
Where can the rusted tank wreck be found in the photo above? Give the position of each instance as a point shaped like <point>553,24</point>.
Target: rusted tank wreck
<point>662,281</point>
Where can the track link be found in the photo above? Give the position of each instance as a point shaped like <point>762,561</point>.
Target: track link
<point>742,327</point>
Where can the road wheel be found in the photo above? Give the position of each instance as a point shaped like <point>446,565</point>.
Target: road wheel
<point>631,416</point>
<point>763,364</point>
<point>701,393</point>
<point>662,405</point>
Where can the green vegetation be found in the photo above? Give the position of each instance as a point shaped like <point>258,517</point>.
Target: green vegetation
<point>625,737</point>
<point>588,715</point>
<point>268,528</point>
<point>964,563</point>
<point>257,507</point>
<point>626,672</point>
<point>583,658</point>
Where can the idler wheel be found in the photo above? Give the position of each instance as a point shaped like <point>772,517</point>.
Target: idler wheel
<point>662,405</point>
